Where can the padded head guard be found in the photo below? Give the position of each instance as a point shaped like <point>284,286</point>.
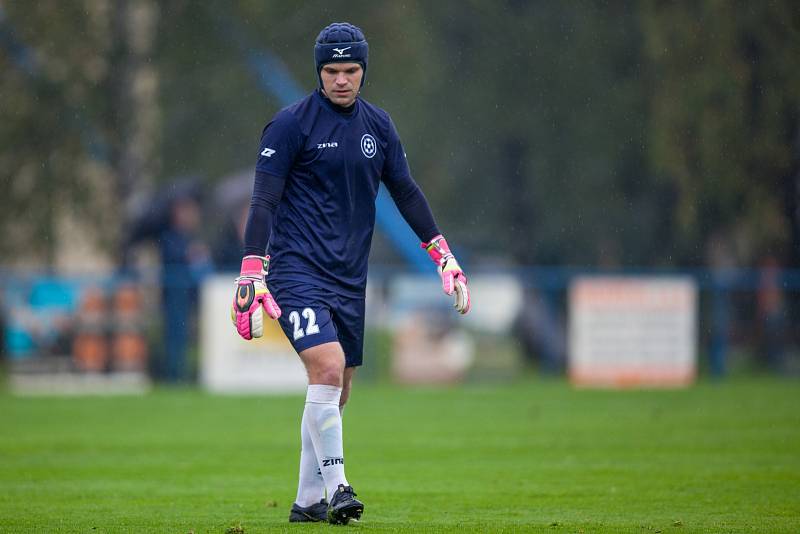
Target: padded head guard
<point>341,42</point>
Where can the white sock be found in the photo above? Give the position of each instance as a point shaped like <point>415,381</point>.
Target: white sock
<point>311,486</point>
<point>325,426</point>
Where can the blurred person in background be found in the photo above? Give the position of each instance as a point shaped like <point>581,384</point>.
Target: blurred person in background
<point>772,320</point>
<point>540,333</point>
<point>186,260</point>
<point>173,220</point>
<point>320,163</point>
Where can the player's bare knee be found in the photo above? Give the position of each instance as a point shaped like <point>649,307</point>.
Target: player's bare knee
<point>330,377</point>
<point>324,364</point>
<point>327,371</point>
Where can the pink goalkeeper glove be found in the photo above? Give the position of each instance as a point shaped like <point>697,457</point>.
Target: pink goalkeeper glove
<point>453,278</point>
<point>252,298</point>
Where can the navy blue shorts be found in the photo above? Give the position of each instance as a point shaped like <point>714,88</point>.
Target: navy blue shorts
<point>312,316</point>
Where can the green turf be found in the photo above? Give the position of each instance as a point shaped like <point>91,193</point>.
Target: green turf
<point>535,456</point>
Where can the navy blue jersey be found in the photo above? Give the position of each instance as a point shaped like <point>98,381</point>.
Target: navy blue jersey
<point>332,164</point>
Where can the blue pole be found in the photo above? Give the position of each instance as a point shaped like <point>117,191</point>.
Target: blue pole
<point>720,319</point>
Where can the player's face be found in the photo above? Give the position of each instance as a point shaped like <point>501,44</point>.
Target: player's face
<point>341,82</point>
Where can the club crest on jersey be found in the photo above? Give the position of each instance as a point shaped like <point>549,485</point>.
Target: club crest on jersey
<point>368,145</point>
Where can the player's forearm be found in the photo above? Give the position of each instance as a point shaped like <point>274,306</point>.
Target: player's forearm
<point>257,230</point>
<point>267,192</point>
<point>415,209</point>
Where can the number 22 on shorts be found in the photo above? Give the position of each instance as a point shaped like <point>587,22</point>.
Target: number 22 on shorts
<point>311,325</point>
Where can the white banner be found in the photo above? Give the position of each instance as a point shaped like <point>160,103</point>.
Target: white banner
<point>230,364</point>
<point>632,331</point>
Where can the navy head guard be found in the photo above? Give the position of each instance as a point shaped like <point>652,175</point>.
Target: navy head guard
<point>341,42</point>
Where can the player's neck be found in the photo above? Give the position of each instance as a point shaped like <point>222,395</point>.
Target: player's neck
<point>336,107</point>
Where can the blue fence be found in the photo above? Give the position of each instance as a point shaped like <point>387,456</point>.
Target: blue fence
<point>739,308</point>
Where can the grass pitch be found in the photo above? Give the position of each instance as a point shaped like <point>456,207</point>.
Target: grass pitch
<point>534,456</point>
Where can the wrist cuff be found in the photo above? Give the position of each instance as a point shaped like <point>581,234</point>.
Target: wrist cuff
<point>438,250</point>
<point>427,246</point>
<point>255,265</point>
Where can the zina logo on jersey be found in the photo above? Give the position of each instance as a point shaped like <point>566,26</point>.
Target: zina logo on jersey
<point>368,146</point>
<point>268,152</point>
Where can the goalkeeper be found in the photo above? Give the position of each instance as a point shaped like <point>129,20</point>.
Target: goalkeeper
<point>320,163</point>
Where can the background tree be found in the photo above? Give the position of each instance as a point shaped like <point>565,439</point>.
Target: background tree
<point>723,127</point>
<point>542,132</point>
<point>78,124</point>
